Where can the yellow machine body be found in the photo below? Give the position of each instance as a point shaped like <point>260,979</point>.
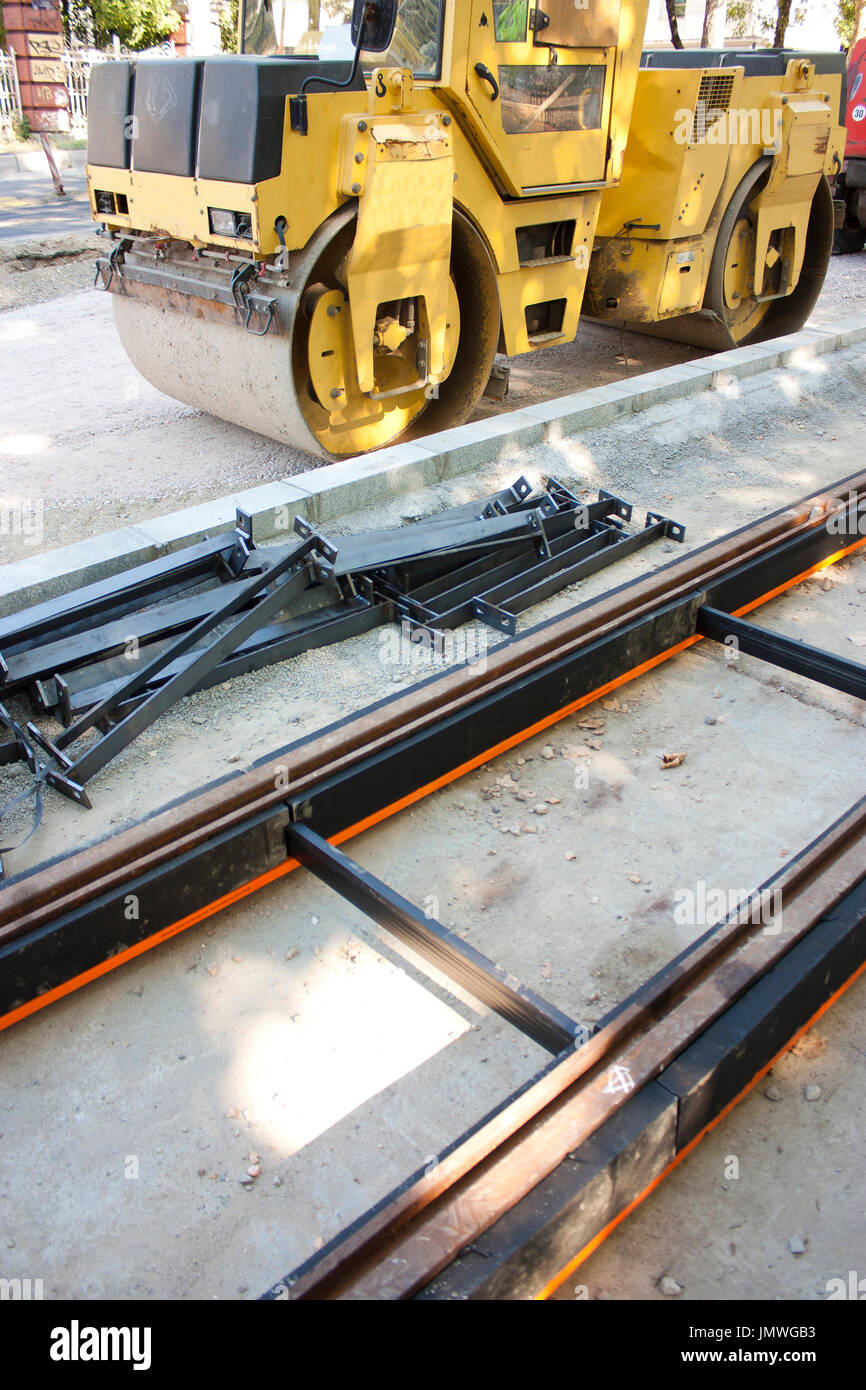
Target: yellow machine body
<point>414,225</point>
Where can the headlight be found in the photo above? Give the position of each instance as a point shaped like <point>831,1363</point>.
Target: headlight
<point>224,222</point>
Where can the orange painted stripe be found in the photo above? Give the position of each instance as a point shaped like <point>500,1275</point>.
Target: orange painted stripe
<point>49,997</point>
<point>592,1245</point>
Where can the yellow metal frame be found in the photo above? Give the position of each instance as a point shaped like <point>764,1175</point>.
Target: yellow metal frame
<point>646,204</point>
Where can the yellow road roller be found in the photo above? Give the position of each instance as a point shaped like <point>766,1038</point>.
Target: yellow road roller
<point>328,237</point>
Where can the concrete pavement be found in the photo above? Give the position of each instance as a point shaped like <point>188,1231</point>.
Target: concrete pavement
<point>29,206</point>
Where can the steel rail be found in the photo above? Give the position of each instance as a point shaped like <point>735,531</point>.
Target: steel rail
<point>406,1242</point>
<point>411,1237</point>
<point>42,895</point>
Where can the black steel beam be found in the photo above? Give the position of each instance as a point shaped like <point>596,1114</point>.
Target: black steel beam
<point>408,764</point>
<point>278,642</point>
<point>291,570</point>
<point>72,944</point>
<point>121,593</point>
<point>536,1241</point>
<point>812,662</point>
<point>483,979</point>
<point>422,539</point>
<point>109,639</point>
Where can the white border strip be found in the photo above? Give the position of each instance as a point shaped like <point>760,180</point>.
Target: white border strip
<point>355,484</point>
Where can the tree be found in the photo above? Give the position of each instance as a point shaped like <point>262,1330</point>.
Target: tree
<point>851,21</point>
<point>671,6</point>
<point>783,19</point>
<point>768,17</point>
<point>228,24</point>
<point>715,17</point>
<point>137,23</point>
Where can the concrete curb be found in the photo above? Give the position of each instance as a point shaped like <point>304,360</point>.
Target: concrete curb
<point>34,161</point>
<point>355,484</point>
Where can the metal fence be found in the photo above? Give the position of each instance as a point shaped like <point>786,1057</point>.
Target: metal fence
<point>10,93</point>
<point>78,69</point>
<point>79,64</point>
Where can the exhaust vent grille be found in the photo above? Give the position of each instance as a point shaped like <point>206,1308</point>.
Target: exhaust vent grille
<point>714,100</point>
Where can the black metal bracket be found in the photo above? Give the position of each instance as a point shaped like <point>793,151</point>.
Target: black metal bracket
<point>264,307</point>
<point>298,114</point>
<point>672,530</point>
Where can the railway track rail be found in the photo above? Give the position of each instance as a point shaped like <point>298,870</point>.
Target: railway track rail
<point>63,924</point>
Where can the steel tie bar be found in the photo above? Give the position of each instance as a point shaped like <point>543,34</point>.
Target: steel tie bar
<point>817,665</point>
<point>474,972</point>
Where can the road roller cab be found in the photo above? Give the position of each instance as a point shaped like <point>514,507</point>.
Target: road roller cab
<point>328,237</point>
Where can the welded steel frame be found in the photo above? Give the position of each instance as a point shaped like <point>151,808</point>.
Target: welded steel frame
<point>296,828</point>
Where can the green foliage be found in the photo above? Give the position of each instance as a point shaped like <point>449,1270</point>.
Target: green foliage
<point>228,22</point>
<point>845,21</point>
<point>137,23</point>
<point>21,127</point>
<point>747,17</point>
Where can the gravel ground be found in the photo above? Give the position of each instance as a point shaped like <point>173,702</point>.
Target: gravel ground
<point>270,1030</point>
<point>103,448</point>
<point>26,281</point>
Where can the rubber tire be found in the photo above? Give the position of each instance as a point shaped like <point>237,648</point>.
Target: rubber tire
<point>849,240</point>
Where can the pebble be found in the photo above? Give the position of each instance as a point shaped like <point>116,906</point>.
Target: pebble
<point>796,1245</point>
<point>670,1287</point>
<point>813,1093</point>
<point>711,719</point>
<point>254,1171</point>
<point>290,955</point>
<point>773,1093</point>
<point>233,758</point>
<point>540,809</point>
<point>547,753</point>
<point>569,856</point>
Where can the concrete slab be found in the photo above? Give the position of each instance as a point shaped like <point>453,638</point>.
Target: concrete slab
<point>224,1043</point>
